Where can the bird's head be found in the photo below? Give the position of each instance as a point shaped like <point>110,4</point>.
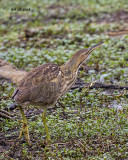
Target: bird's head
<point>81,56</point>
<point>78,58</point>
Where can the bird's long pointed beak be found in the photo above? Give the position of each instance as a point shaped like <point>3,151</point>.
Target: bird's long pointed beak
<point>94,47</point>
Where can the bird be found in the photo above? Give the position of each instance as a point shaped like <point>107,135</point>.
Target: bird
<point>45,84</point>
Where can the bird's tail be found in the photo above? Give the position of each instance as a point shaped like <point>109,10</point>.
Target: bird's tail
<point>12,107</point>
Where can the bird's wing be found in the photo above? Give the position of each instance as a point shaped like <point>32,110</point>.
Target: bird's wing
<point>38,84</point>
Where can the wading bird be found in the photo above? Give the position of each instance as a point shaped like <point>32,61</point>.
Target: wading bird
<point>45,84</point>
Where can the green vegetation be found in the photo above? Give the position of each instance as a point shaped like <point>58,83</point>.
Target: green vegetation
<point>94,123</point>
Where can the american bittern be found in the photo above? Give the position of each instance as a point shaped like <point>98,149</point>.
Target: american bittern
<point>44,85</point>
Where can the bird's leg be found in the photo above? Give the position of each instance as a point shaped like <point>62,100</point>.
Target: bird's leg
<point>25,126</point>
<point>21,131</point>
<point>45,125</point>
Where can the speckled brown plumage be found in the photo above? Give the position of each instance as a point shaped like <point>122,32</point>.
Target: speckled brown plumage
<point>44,85</point>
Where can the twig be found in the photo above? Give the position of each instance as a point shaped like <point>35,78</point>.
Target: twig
<point>5,112</point>
<point>97,85</point>
<point>5,116</point>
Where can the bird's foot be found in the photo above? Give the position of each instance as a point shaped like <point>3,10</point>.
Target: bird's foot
<point>26,132</point>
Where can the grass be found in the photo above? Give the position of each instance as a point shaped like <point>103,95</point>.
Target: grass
<point>93,124</point>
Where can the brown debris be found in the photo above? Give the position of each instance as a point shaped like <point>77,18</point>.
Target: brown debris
<point>117,33</point>
<point>9,72</point>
